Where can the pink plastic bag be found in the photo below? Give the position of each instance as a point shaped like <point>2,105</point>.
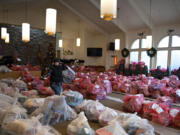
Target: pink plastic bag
<point>133,103</point>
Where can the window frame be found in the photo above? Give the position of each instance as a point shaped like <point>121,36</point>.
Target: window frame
<point>140,50</point>
<point>169,49</point>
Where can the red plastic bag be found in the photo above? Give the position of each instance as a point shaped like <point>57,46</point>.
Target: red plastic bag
<point>165,100</point>
<point>175,116</point>
<point>133,103</point>
<point>84,84</point>
<point>45,90</point>
<point>157,112</point>
<point>94,89</point>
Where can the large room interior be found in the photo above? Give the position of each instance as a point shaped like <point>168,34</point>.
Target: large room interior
<point>90,67</point>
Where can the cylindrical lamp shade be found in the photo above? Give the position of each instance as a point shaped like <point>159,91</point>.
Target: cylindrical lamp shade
<point>78,42</point>
<point>148,42</point>
<point>108,9</point>
<point>26,32</point>
<point>3,33</point>
<point>117,44</point>
<point>60,43</point>
<point>7,38</point>
<point>50,21</point>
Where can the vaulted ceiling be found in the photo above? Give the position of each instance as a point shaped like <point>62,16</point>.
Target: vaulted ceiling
<point>132,14</point>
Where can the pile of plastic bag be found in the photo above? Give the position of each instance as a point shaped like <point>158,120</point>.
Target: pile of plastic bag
<point>29,127</point>
<point>127,124</point>
<point>80,126</point>
<point>27,67</point>
<point>34,83</point>
<point>55,110</point>
<point>10,110</point>
<point>159,111</point>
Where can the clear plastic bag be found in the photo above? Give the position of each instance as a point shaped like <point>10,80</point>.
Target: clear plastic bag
<point>55,110</point>
<point>80,126</point>
<point>23,126</point>
<point>82,106</point>
<point>68,75</point>
<point>133,124</point>
<point>73,98</point>
<point>107,115</point>
<point>32,104</point>
<point>93,110</point>
<point>111,129</point>
<point>14,112</point>
<point>4,69</point>
<point>21,85</point>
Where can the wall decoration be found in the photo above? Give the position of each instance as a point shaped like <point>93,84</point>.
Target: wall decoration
<point>125,52</point>
<point>151,52</point>
<point>27,52</point>
<point>67,52</point>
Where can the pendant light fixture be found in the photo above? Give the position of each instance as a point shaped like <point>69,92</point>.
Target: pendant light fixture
<point>117,44</point>
<point>78,42</point>
<point>3,33</point>
<point>108,9</point>
<point>7,38</point>
<point>60,43</point>
<point>50,28</point>
<point>26,27</point>
<point>78,39</point>
<point>26,32</point>
<point>60,40</point>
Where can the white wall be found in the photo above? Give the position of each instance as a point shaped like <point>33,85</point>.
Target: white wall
<point>70,24</point>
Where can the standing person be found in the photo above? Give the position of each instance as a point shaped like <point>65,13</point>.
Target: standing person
<point>56,77</point>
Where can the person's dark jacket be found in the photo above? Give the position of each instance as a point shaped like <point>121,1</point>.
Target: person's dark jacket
<point>56,73</point>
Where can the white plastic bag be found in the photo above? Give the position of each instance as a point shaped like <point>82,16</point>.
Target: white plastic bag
<point>4,69</point>
<point>55,110</point>
<point>93,110</point>
<point>107,115</point>
<point>82,106</point>
<point>73,98</point>
<point>21,85</point>
<point>80,126</point>
<point>68,75</point>
<point>134,124</point>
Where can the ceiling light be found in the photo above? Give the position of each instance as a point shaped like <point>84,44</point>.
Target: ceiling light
<point>78,42</point>
<point>117,44</point>
<point>108,9</point>
<point>50,21</point>
<point>3,33</point>
<point>25,32</point>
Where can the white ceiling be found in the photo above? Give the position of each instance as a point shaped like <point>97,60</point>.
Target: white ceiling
<point>132,14</point>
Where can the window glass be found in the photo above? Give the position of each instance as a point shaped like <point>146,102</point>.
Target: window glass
<point>175,41</point>
<point>145,58</point>
<point>162,58</point>
<point>135,44</point>
<point>147,42</point>
<point>164,42</point>
<point>134,56</point>
<point>175,56</point>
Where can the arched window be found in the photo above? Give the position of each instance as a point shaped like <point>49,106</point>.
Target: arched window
<point>169,52</point>
<point>138,50</point>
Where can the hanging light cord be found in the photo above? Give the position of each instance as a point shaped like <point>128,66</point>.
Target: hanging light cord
<point>26,12</point>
